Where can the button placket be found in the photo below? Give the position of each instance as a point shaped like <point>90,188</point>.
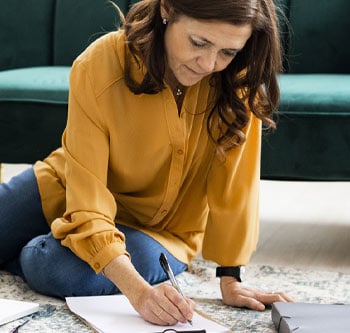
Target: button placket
<point>177,138</point>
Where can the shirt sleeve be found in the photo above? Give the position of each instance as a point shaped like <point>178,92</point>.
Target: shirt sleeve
<point>231,233</point>
<point>88,226</point>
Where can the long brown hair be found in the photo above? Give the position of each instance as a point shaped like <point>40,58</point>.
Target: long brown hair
<point>249,82</point>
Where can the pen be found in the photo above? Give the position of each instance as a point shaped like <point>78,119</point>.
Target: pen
<point>168,271</point>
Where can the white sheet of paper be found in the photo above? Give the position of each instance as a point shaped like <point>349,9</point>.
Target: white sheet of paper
<point>11,309</point>
<point>110,314</point>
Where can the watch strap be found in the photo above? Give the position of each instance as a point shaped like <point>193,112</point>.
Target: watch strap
<point>234,271</point>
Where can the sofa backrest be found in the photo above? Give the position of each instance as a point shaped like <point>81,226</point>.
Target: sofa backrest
<point>319,36</point>
<point>52,32</point>
<point>78,23</point>
<point>26,33</point>
<point>55,32</point>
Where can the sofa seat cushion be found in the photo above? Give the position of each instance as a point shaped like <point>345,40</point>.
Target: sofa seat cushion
<point>33,112</point>
<point>315,93</point>
<point>312,139</point>
<point>35,84</point>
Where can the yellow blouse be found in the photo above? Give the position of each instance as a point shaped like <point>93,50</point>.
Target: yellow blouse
<point>131,159</point>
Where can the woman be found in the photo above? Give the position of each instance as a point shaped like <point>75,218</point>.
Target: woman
<point>160,154</point>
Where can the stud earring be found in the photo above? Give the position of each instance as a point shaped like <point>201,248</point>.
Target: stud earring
<point>165,21</point>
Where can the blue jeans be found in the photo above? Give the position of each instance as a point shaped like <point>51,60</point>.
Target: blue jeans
<point>28,248</point>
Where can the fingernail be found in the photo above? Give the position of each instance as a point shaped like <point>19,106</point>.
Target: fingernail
<point>261,307</point>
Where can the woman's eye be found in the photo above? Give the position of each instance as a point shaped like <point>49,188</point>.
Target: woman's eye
<point>229,53</point>
<point>197,43</point>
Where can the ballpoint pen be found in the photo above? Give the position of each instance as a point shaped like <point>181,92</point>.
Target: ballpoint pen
<point>169,272</point>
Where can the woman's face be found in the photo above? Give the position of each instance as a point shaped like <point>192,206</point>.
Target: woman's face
<point>196,48</point>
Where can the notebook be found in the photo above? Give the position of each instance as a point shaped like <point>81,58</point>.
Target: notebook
<point>111,314</point>
<point>11,310</point>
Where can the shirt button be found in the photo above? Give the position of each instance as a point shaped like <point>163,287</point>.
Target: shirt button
<point>180,151</point>
<point>97,266</point>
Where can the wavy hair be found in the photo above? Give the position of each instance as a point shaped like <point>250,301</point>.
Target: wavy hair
<point>248,82</point>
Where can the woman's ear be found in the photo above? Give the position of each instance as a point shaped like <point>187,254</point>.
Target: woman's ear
<point>164,9</point>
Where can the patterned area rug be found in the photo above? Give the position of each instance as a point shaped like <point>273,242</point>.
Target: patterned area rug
<point>200,284</point>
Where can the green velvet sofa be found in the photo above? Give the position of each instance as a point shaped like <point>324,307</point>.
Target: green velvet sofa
<point>312,140</point>
<point>39,40</point>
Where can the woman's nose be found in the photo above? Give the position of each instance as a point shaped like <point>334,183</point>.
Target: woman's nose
<point>207,62</point>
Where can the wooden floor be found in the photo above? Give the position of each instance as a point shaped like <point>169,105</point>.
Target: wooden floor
<point>303,224</point>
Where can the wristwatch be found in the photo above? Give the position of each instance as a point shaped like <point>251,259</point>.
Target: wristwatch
<point>234,271</point>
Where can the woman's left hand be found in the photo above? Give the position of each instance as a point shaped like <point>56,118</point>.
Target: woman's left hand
<point>235,294</point>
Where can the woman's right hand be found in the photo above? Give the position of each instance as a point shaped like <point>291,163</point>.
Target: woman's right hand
<point>161,305</point>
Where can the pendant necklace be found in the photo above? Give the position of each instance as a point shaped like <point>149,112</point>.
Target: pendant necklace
<point>178,92</point>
